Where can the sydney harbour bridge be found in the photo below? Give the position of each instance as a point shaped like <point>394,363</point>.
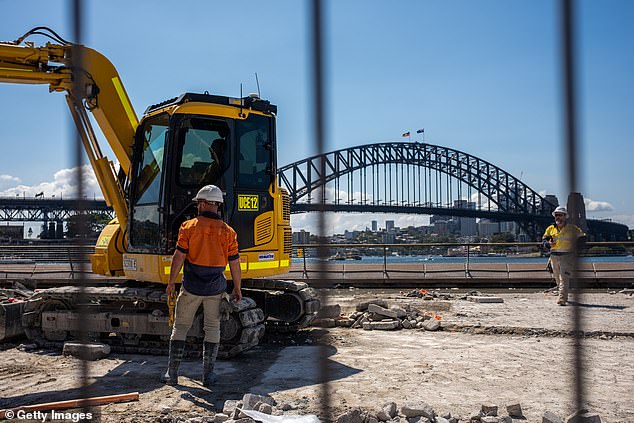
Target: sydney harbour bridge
<point>412,178</point>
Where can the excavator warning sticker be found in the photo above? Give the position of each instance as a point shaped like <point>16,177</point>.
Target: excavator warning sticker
<point>129,264</point>
<point>248,202</point>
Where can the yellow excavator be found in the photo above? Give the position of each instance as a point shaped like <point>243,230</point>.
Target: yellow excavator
<point>177,146</point>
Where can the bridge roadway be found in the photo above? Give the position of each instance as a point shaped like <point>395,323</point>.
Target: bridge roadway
<point>446,275</point>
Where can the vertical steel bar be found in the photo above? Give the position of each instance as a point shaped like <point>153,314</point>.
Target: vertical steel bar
<point>76,15</point>
<point>316,10</point>
<point>570,143</point>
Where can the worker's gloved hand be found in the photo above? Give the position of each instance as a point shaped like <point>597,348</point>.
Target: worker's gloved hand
<point>225,308</point>
<point>236,295</point>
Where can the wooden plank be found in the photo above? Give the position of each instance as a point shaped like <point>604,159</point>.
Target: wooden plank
<point>76,403</point>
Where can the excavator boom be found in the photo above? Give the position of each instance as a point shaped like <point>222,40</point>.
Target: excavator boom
<point>101,92</point>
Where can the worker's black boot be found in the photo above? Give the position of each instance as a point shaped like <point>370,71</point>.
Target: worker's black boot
<point>210,351</point>
<point>177,348</point>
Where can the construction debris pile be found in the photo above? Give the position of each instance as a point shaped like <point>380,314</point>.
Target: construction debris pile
<point>421,412</point>
<point>250,408</point>
<point>378,315</point>
<point>263,408</point>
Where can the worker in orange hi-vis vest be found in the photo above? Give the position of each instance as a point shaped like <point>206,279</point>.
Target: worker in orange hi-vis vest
<point>562,238</point>
<point>206,244</point>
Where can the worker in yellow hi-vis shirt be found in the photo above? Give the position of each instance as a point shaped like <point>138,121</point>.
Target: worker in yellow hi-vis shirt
<point>562,238</point>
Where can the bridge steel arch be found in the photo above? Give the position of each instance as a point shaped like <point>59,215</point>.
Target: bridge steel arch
<point>507,197</point>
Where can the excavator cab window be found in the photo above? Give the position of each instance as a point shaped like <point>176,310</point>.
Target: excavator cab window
<point>255,158</point>
<point>146,186</point>
<point>204,152</point>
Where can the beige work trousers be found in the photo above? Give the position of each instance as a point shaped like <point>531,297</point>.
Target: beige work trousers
<point>186,306</point>
<point>562,271</point>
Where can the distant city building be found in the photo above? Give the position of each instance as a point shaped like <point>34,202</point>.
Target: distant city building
<point>467,225</point>
<point>375,226</point>
<point>301,237</point>
<point>389,238</point>
<point>389,225</point>
<point>510,227</point>
<point>487,227</point>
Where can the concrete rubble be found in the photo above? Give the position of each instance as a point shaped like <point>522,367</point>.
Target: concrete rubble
<point>233,411</point>
<point>377,314</point>
<point>89,352</point>
<point>421,412</point>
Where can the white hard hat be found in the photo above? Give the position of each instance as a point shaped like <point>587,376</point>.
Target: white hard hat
<point>209,193</point>
<point>560,209</point>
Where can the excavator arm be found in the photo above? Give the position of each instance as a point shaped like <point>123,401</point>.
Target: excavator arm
<point>100,91</point>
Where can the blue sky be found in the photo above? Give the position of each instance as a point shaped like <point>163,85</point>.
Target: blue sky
<point>482,77</point>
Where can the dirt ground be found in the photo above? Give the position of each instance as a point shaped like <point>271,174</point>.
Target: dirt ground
<point>516,351</point>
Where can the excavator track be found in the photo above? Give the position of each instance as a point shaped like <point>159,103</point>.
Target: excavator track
<point>130,320</point>
<point>288,305</point>
<point>117,315</point>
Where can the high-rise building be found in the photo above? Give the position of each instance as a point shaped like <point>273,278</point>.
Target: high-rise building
<point>487,227</point>
<point>389,225</point>
<point>301,237</point>
<point>467,225</point>
<point>375,226</point>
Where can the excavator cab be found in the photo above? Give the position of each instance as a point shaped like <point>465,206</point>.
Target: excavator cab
<point>191,141</point>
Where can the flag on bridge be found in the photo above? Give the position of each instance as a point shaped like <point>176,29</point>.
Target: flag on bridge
<point>406,134</point>
<point>421,131</point>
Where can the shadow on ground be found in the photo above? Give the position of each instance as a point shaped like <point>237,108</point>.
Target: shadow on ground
<point>270,367</point>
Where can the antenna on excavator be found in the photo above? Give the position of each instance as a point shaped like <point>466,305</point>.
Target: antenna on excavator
<point>257,82</point>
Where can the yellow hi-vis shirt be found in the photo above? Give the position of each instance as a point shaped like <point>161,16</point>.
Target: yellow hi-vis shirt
<point>565,238</point>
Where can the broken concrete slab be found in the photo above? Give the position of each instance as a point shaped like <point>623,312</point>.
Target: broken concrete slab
<point>351,416</point>
<point>265,408</point>
<point>376,309</point>
<point>230,406</point>
<point>383,325</point>
<point>550,417</point>
<point>583,416</point>
<point>249,401</point>
<point>220,418</point>
<point>484,300</point>
<point>489,410</point>
<point>431,325</point>
<point>514,410</point>
<point>418,409</point>
<point>329,311</point>
<point>400,312</point>
<point>90,352</point>
<point>390,409</point>
<point>364,305</point>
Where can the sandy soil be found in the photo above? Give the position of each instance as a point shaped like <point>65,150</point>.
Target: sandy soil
<point>454,370</point>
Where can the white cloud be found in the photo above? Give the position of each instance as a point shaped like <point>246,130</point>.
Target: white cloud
<point>64,184</point>
<point>7,181</point>
<point>597,206</point>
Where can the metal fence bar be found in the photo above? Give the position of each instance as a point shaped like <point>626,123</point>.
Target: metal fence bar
<point>317,30</point>
<point>76,17</point>
<point>570,144</point>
